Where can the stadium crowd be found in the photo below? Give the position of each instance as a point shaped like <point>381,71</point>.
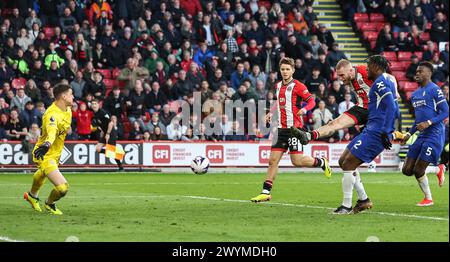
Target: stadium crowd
<point>140,57</point>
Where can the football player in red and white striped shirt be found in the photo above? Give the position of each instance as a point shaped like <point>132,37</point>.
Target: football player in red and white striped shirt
<point>356,77</point>
<point>290,94</point>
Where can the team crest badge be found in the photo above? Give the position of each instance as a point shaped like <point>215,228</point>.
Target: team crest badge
<point>360,81</point>
<point>52,119</point>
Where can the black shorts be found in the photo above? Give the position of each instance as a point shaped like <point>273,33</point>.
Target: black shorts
<point>112,138</point>
<point>285,141</point>
<point>358,114</point>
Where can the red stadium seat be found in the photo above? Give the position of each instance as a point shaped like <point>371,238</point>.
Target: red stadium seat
<point>368,27</point>
<point>401,84</point>
<point>410,86</point>
<point>400,75</point>
<point>376,17</point>
<point>106,73</point>
<point>391,56</point>
<point>404,56</point>
<point>380,26</point>
<point>373,44</point>
<point>109,83</point>
<point>19,83</point>
<point>361,17</point>
<point>440,84</point>
<point>406,64</point>
<point>115,73</point>
<point>49,32</point>
<point>370,35</point>
<point>428,27</point>
<point>425,36</point>
<point>397,66</point>
<point>419,55</point>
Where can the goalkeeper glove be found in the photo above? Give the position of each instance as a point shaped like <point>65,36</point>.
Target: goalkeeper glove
<point>40,152</point>
<point>385,141</point>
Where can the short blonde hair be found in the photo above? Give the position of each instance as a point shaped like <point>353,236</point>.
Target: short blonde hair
<point>343,63</point>
<point>287,61</point>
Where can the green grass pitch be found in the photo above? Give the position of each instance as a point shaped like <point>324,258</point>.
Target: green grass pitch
<point>216,207</point>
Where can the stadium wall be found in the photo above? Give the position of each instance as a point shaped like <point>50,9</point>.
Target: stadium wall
<point>82,154</point>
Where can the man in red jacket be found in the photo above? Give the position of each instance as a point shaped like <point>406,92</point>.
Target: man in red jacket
<point>83,118</point>
<point>191,7</point>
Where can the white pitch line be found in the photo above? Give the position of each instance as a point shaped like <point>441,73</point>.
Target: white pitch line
<point>7,239</point>
<point>248,201</point>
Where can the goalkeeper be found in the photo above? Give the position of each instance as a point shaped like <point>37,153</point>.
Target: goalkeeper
<point>47,151</point>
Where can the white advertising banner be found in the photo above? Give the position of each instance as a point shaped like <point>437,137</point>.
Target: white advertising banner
<point>244,154</point>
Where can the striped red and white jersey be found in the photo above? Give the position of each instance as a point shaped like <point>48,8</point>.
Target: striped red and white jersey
<point>289,98</point>
<point>361,84</point>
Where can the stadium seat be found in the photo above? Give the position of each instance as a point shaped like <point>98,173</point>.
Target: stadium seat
<point>376,17</point>
<point>108,90</point>
<point>361,17</point>
<point>368,27</point>
<point>425,36</point>
<point>370,35</point>
<point>401,84</point>
<point>109,83</point>
<point>440,84</point>
<point>19,83</point>
<point>115,73</point>
<point>400,75</point>
<point>406,64</point>
<point>380,26</point>
<point>105,72</point>
<point>49,32</point>
<point>404,56</point>
<point>428,26</point>
<point>410,86</point>
<point>419,55</point>
<point>397,66</point>
<point>391,56</point>
<point>373,44</point>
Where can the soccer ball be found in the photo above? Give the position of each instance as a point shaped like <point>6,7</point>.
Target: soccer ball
<point>200,165</point>
<point>372,167</point>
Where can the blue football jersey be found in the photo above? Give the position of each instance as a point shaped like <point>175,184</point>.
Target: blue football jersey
<point>383,107</point>
<point>425,101</point>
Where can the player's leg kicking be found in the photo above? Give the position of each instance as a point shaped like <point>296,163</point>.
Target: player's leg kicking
<point>284,142</point>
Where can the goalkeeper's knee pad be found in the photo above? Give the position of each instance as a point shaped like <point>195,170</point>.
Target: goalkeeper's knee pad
<point>62,189</point>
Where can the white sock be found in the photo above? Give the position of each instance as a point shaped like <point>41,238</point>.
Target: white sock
<point>423,184</point>
<point>359,187</point>
<point>432,170</point>
<point>348,181</point>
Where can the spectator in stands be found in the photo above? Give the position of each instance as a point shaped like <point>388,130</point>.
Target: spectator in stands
<point>175,130</point>
<point>6,74</point>
<point>346,104</point>
<point>299,22</point>
<point>404,42</point>
<point>294,49</point>
<point>334,55</point>
<point>157,135</point>
<point>205,92</point>
<point>136,104</point>
<point>4,107</point>
<point>313,81</point>
<point>325,36</point>
<point>116,55</point>
<point>419,18</point>
<point>99,56</point>
<point>374,6</point>
<point>321,115</point>
<point>83,118</point>
<point>24,40</point>
<point>238,76</point>
<point>78,85</point>
<point>67,21</point>
<point>385,40</point>
<point>15,129</point>
<point>29,115</point>
<point>114,103</point>
<point>53,56</point>
<point>20,100</point>
<point>236,133</point>
<point>19,64</point>
<point>333,106</point>
<point>32,19</point>
<point>209,32</point>
<point>166,115</point>
<point>131,73</point>
<point>155,99</point>
<point>203,55</point>
<point>34,134</point>
<point>189,136</point>
<point>301,72</point>
<point>95,86</point>
<point>155,122</point>
<point>428,9</point>
<point>428,54</point>
<point>194,76</point>
<point>444,55</point>
<point>412,68</point>
<point>322,93</point>
<point>257,75</point>
<point>4,120</point>
<point>260,90</point>
<point>440,70</point>
<point>439,29</point>
<point>136,132</point>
